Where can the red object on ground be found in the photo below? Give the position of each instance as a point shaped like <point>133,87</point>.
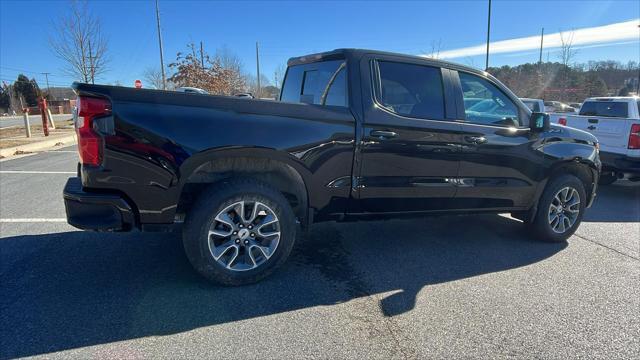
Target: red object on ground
<point>43,110</point>
<point>138,84</point>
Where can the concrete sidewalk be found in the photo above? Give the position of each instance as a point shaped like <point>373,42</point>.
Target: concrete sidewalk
<point>13,144</point>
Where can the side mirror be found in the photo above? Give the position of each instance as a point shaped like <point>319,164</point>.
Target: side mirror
<point>539,122</point>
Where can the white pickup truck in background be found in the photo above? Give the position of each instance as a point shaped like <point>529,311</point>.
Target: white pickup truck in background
<point>615,121</point>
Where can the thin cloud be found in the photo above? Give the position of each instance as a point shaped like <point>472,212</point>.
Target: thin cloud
<point>618,32</point>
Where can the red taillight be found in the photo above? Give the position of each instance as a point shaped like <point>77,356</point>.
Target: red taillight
<point>634,137</point>
<point>89,141</point>
<point>562,121</point>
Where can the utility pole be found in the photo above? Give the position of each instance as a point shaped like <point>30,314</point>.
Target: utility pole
<point>164,79</point>
<point>201,56</point>
<point>258,70</point>
<point>541,43</point>
<point>486,66</point>
<point>46,76</point>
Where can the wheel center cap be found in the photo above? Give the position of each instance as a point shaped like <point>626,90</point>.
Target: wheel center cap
<point>243,234</point>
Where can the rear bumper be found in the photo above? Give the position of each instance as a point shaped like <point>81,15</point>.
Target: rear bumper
<point>620,163</point>
<point>96,211</point>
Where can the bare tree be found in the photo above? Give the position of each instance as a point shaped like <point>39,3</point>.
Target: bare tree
<point>567,54</point>
<point>153,77</point>
<point>77,39</point>
<point>278,75</point>
<point>435,49</point>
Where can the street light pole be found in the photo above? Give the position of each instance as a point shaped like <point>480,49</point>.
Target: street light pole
<point>486,65</point>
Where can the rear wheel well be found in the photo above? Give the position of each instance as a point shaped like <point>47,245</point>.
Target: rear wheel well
<point>275,173</point>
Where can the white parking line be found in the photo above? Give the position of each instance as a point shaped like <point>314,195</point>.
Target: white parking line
<point>33,220</point>
<point>35,172</point>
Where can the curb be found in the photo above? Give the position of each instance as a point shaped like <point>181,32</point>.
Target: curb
<point>40,145</point>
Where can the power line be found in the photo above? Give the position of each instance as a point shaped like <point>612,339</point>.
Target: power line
<point>27,71</point>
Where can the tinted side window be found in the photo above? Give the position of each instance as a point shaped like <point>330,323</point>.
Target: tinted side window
<point>490,106</point>
<point>411,90</point>
<point>306,83</point>
<point>605,109</point>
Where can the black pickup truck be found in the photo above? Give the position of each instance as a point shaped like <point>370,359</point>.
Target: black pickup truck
<point>357,134</point>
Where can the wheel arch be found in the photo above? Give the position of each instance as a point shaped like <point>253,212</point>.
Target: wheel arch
<point>274,167</point>
<point>585,170</point>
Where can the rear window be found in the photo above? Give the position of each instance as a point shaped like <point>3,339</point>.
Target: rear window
<point>321,83</point>
<point>605,109</point>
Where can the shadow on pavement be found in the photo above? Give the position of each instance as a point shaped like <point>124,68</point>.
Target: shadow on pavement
<point>75,289</point>
<point>619,202</point>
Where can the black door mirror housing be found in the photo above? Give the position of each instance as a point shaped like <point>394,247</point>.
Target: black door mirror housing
<point>539,122</point>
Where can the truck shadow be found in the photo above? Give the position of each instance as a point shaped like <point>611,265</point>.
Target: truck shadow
<point>75,289</point>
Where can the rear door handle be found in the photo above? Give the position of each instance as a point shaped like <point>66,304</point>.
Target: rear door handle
<point>475,139</point>
<point>383,134</point>
<point>591,127</point>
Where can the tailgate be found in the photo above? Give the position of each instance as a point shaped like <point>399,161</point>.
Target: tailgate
<point>612,133</point>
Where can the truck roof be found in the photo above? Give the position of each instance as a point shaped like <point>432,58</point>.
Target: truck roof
<point>612,98</point>
<point>345,53</point>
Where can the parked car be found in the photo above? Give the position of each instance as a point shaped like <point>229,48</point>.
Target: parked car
<point>357,134</point>
<point>192,90</point>
<point>558,107</point>
<point>535,105</point>
<point>576,107</point>
<point>615,121</point>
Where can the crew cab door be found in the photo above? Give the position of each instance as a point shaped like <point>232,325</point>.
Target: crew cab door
<point>498,164</point>
<point>408,156</point>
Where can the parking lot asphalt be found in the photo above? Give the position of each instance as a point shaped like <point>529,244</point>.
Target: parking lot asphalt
<point>441,287</point>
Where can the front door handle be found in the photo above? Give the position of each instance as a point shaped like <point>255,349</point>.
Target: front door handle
<point>475,139</point>
<point>591,127</point>
<point>383,134</point>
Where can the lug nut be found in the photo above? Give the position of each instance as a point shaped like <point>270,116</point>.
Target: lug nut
<point>237,241</point>
<point>246,242</point>
<point>241,226</point>
<point>253,235</point>
<point>250,227</point>
<point>235,233</point>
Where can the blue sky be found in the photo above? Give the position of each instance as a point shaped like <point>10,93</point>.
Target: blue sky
<point>286,29</point>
